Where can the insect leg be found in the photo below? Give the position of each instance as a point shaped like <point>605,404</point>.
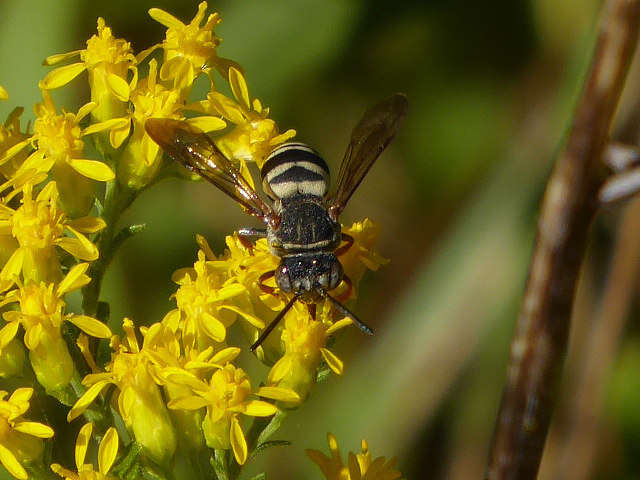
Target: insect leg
<point>263,278</point>
<point>348,239</point>
<point>312,310</point>
<point>356,321</point>
<point>345,295</point>
<point>245,235</point>
<point>265,333</point>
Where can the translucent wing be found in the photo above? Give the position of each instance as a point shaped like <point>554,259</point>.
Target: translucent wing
<point>369,138</point>
<point>197,152</point>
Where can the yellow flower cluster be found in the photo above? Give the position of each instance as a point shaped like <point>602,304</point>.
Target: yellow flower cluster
<point>175,386</point>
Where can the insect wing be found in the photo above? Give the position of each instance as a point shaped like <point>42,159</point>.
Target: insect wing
<point>369,138</point>
<point>197,152</point>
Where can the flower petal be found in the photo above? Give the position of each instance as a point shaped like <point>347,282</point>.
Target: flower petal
<point>61,76</point>
<point>4,95</point>
<point>259,408</point>
<point>79,247</point>
<point>13,267</point>
<point>165,19</point>
<point>238,443</point>
<point>88,224</point>
<point>34,429</point>
<point>207,123</point>
<point>239,87</point>
<point>8,333</point>
<point>118,86</point>
<point>333,361</point>
<point>12,151</point>
<point>278,393</point>
<point>92,169</point>
<point>85,400</point>
<point>85,110</point>
<point>213,327</point>
<point>107,451</point>
<point>74,279</point>
<point>10,462</point>
<point>106,125</point>
<point>60,57</point>
<point>226,355</point>
<point>82,444</point>
<point>190,402</point>
<point>90,326</point>
<point>253,320</point>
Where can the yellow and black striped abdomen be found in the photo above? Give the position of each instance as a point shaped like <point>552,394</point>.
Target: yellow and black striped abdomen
<point>294,169</point>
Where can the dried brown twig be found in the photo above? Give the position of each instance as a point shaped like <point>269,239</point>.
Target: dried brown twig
<point>569,205</point>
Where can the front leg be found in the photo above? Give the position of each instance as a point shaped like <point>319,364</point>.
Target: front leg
<point>246,235</point>
<point>348,239</point>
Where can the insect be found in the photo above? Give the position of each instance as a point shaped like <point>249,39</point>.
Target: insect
<point>302,225</point>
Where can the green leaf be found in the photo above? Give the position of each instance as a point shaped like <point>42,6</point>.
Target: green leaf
<point>271,443</point>
<point>272,427</point>
<point>260,476</point>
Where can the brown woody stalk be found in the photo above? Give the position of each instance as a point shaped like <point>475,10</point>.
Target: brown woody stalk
<point>569,205</point>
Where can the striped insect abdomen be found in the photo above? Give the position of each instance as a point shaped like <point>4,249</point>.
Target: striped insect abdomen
<point>294,169</point>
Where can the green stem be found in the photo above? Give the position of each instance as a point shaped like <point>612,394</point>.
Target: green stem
<point>117,200</point>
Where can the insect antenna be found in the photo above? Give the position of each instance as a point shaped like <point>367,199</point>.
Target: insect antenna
<point>359,323</point>
<point>274,323</point>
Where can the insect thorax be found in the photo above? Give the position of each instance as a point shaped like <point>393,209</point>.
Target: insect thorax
<point>305,226</point>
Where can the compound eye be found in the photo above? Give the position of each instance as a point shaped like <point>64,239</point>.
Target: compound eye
<point>335,275</point>
<point>283,280</point>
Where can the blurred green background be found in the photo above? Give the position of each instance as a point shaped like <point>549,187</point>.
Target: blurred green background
<point>491,87</point>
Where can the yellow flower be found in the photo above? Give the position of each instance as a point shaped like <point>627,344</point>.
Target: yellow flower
<point>304,341</point>
<point>4,95</point>
<point>60,149</point>
<point>139,400</point>
<point>255,135</point>
<point>108,61</point>
<point>11,135</point>
<point>359,466</point>
<point>41,315</point>
<point>188,49</point>
<point>38,226</point>
<point>226,396</point>
<point>107,452</point>
<point>362,255</point>
<point>20,440</point>
<point>172,352</point>
<point>205,300</point>
<point>141,158</point>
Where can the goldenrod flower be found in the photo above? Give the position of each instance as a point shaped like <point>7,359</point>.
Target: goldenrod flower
<point>10,136</point>
<point>107,452</point>
<point>205,300</point>
<point>41,315</point>
<point>362,255</point>
<point>60,149</point>
<point>39,226</point>
<point>226,396</point>
<point>254,135</point>
<point>139,401</point>
<point>20,440</point>
<point>4,95</point>
<point>108,61</point>
<point>172,351</point>
<point>304,341</point>
<point>188,49</point>
<point>359,466</point>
